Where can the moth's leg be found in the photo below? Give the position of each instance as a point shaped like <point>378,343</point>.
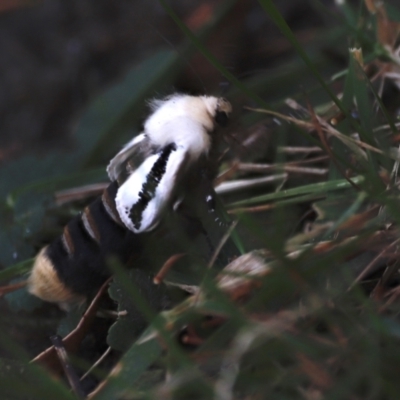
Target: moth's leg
<point>204,216</point>
<point>212,207</point>
<point>216,223</point>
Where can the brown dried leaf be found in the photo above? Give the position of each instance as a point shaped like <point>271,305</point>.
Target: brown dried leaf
<point>72,341</point>
<point>238,278</point>
<point>315,372</point>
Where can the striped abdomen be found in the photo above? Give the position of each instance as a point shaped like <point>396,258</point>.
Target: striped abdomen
<point>74,265</point>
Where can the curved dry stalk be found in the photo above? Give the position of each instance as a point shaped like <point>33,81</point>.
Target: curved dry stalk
<point>372,264</point>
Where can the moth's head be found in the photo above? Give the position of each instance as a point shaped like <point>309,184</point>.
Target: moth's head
<point>218,109</point>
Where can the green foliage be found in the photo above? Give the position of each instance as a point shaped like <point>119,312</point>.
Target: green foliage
<point>129,325</point>
<point>318,316</point>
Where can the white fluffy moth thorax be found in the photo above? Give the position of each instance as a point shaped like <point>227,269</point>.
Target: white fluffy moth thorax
<point>186,121</point>
<point>150,176</point>
<point>180,132</point>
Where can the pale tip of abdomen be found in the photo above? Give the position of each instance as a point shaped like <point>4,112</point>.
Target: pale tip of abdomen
<point>44,282</point>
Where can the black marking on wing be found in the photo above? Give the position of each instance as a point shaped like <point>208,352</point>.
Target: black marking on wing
<point>149,187</point>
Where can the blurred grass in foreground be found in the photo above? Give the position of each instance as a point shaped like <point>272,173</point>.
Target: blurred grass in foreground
<point>311,312</point>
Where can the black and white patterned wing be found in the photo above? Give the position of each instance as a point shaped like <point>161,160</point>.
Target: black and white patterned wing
<point>143,198</point>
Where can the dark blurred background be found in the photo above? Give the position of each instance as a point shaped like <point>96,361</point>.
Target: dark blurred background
<point>55,56</point>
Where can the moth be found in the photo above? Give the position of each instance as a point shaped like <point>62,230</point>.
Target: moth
<point>166,169</point>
